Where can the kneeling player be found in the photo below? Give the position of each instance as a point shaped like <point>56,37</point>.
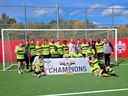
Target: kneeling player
<point>38,66</point>
<point>96,68</point>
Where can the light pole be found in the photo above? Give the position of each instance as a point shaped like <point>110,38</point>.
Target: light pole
<point>25,19</point>
<point>57,20</point>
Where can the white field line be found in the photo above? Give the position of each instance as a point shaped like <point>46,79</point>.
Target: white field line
<point>87,92</point>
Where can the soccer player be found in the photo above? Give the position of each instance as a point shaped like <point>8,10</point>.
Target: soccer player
<point>38,66</point>
<point>27,59</point>
<point>77,45</point>
<point>60,49</point>
<point>92,44</point>
<point>66,53</point>
<point>20,55</point>
<point>72,47</point>
<point>53,49</point>
<point>84,47</point>
<point>96,67</point>
<point>77,54</point>
<point>46,49</point>
<point>99,49</point>
<point>39,48</point>
<point>32,49</point>
<point>65,46</point>
<point>90,52</point>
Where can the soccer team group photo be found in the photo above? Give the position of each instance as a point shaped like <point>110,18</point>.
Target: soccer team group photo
<point>63,48</point>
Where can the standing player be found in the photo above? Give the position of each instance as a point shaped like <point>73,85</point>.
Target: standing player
<point>84,47</point>
<point>53,49</point>
<point>77,54</point>
<point>65,48</point>
<point>60,49</point>
<point>77,43</point>
<point>27,54</point>
<point>32,48</point>
<point>20,55</point>
<point>92,44</point>
<point>45,49</point>
<point>99,49</point>
<point>39,48</point>
<point>90,52</point>
<point>72,47</point>
<point>66,53</point>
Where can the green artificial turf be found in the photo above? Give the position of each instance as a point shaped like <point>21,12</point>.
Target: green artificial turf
<point>13,84</point>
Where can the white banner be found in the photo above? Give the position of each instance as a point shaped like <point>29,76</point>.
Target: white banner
<point>66,65</point>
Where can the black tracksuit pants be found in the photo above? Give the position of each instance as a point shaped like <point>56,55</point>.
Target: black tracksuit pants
<point>107,59</point>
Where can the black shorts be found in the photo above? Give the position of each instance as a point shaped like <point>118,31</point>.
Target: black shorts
<point>42,70</point>
<point>20,60</point>
<point>37,72</point>
<point>100,56</point>
<point>84,55</point>
<point>60,56</point>
<point>102,66</point>
<point>26,59</point>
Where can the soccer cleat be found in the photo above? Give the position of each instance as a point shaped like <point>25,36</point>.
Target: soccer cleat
<point>110,70</point>
<point>105,75</point>
<point>19,72</point>
<point>34,75</point>
<point>39,75</point>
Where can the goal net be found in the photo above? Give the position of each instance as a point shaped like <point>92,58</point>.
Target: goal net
<point>12,37</point>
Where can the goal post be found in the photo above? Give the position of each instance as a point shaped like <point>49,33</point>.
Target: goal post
<point>8,37</point>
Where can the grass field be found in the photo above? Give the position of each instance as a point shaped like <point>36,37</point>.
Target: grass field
<point>12,84</point>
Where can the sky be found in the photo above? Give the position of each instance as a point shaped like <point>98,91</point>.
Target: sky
<point>99,11</point>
